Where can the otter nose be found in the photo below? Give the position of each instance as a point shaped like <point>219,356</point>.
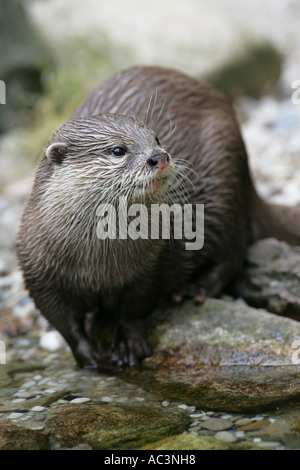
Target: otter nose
<point>158,161</point>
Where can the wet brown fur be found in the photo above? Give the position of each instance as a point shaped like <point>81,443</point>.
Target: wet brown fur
<point>68,277</point>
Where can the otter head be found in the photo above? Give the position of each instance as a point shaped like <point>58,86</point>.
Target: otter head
<point>110,156</point>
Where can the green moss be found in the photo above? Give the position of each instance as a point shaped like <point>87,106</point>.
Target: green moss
<point>114,426</point>
<point>191,442</point>
<point>187,442</point>
<point>18,438</point>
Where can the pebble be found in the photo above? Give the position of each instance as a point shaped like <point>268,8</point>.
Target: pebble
<point>25,417</point>
<point>108,399</point>
<point>243,421</point>
<point>7,408</point>
<point>29,384</point>
<point>268,444</point>
<point>37,377</point>
<point>36,427</point>
<point>227,417</point>
<point>15,415</point>
<point>255,426</point>
<point>225,436</point>
<point>216,424</point>
<point>52,341</point>
<point>80,400</point>
<point>183,407</point>
<point>38,408</point>
<point>23,343</point>
<point>197,415</point>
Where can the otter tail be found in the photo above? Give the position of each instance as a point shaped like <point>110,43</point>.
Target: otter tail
<point>276,221</point>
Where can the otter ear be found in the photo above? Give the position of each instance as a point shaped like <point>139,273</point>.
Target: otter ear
<point>56,152</point>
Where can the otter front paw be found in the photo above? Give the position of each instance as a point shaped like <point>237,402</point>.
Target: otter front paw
<point>129,346</point>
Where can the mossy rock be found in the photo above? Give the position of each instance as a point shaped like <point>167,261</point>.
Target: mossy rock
<point>191,442</point>
<point>20,438</point>
<point>107,426</point>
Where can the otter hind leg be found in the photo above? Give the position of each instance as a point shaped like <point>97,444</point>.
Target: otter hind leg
<point>209,282</point>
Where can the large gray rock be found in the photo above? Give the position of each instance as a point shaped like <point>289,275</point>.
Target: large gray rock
<point>271,279</point>
<point>222,356</point>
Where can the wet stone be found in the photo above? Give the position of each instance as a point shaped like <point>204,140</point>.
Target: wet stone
<point>222,356</point>
<point>243,421</point>
<point>80,400</point>
<point>255,426</point>
<point>216,424</point>
<point>7,408</point>
<point>15,415</point>
<point>225,436</point>
<point>272,277</point>
<point>39,417</point>
<point>268,445</point>
<point>113,426</point>
<point>18,438</point>
<point>191,442</point>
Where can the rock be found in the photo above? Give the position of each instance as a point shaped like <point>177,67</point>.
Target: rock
<point>271,279</point>
<point>107,426</point>
<point>221,356</point>
<point>243,421</point>
<point>216,424</point>
<point>52,341</point>
<point>268,445</point>
<point>38,408</point>
<point>80,400</point>
<point>7,408</point>
<point>19,438</point>
<point>187,442</point>
<point>46,400</point>
<point>191,442</point>
<point>255,426</point>
<point>225,436</point>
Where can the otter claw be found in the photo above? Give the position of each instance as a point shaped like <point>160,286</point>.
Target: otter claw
<point>128,347</point>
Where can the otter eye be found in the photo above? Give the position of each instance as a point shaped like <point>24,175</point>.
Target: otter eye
<point>157,141</point>
<point>119,151</point>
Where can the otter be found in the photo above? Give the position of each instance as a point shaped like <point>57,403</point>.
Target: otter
<point>154,135</point>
